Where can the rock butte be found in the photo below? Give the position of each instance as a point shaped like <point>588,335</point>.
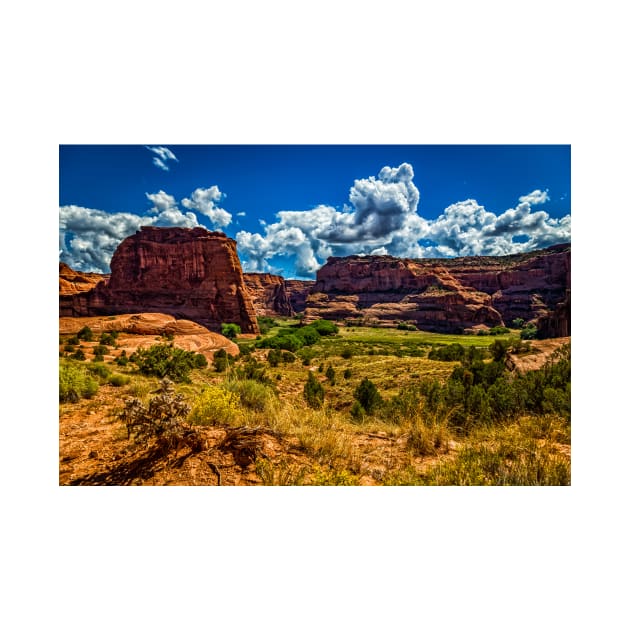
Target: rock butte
<point>189,273</point>
<point>269,294</point>
<point>449,295</point>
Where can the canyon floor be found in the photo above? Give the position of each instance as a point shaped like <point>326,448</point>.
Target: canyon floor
<point>287,443</point>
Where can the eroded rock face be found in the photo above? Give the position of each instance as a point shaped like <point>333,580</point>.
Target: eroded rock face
<point>298,291</point>
<point>269,294</point>
<point>187,273</point>
<point>442,295</point>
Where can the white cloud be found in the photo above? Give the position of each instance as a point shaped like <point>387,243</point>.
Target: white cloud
<point>382,218</point>
<point>203,200</point>
<point>163,155</point>
<point>534,197</point>
<point>241,214</point>
<point>161,201</point>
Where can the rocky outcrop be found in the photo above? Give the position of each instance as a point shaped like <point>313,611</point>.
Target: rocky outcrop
<point>187,273</point>
<point>269,294</point>
<point>140,330</point>
<point>72,282</point>
<point>442,295</point>
<point>298,291</point>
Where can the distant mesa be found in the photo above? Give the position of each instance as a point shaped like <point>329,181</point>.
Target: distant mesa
<point>189,273</point>
<point>448,295</point>
<point>195,274</point>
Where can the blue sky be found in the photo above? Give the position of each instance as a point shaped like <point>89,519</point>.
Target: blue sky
<point>289,207</point>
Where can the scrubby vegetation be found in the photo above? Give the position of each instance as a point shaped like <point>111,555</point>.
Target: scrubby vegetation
<point>388,406</point>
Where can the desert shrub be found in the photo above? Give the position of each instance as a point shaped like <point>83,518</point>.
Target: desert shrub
<point>85,334</point>
<point>163,420</point>
<point>529,332</point>
<point>254,371</point>
<point>288,357</point>
<point>499,350</point>
<point>274,356</point>
<point>75,383</point>
<point>78,354</point>
<point>72,341</point>
<point>118,380</point>
<point>122,359</point>
<point>108,338</point>
<point>68,348</point>
<point>499,330</point>
<point>518,322</point>
<point>221,360</point>
<point>99,352</point>
<point>320,369</point>
<point>482,332</point>
<point>100,370</point>
<point>357,413</point>
<point>330,374</point>
<point>324,327</point>
<point>215,405</point>
<point>281,473</point>
<point>230,330</point>
<point>451,352</point>
<point>164,360</point>
<point>403,326</point>
<point>313,392</point>
<point>252,393</point>
<point>347,373</point>
<point>428,437</point>
<point>346,353</point>
<point>367,395</point>
<point>265,324</point>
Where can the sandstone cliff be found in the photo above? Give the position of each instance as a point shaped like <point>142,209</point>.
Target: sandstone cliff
<point>443,295</point>
<point>187,273</point>
<point>298,291</point>
<point>268,293</point>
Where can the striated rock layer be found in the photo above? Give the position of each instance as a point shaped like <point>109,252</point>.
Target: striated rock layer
<point>269,294</point>
<point>445,294</point>
<point>187,273</point>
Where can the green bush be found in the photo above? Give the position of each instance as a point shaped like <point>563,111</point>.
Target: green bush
<point>313,392</point>
<point>78,354</point>
<point>99,352</point>
<point>100,370</point>
<point>529,332</point>
<point>230,330</point>
<point>108,338</point>
<point>499,330</point>
<point>75,383</point>
<point>118,380</point>
<point>164,360</point>
<point>252,393</point>
<point>518,322</point>
<point>367,395</point>
<point>451,352</point>
<point>215,405</point>
<point>85,334</point>
<point>357,413</point>
<point>347,373</point>
<point>330,374</point>
<point>346,353</point>
<point>266,324</point>
<point>274,356</point>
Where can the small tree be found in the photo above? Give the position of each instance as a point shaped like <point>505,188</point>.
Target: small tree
<point>85,333</point>
<point>230,330</point>
<point>367,395</point>
<point>313,392</point>
<point>330,374</point>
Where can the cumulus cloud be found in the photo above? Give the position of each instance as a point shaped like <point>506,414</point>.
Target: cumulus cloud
<point>203,200</point>
<point>534,197</point>
<point>88,237</point>
<point>162,157</point>
<point>382,218</point>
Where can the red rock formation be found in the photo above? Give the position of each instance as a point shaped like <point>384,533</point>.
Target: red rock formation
<point>72,282</point>
<point>140,330</point>
<point>443,295</point>
<point>188,273</point>
<point>298,291</point>
<point>269,294</point>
